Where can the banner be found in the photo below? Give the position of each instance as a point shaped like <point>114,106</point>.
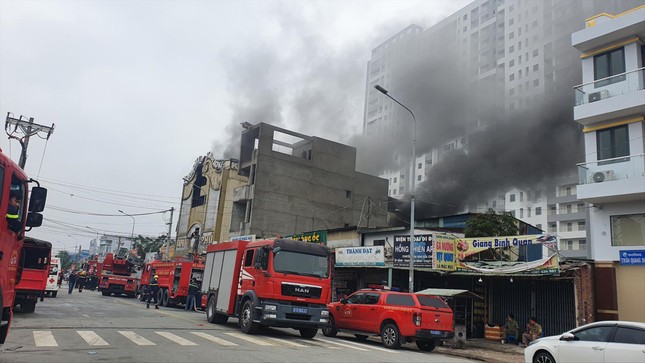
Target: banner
<point>423,247</point>
<point>495,254</point>
<point>360,256</point>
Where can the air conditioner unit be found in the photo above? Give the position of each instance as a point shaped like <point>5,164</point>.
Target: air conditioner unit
<point>601,176</point>
<point>597,96</point>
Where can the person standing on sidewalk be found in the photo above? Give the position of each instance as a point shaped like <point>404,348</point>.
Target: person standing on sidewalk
<point>191,299</point>
<point>153,289</point>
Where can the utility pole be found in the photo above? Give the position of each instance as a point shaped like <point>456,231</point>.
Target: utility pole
<point>172,210</point>
<point>369,211</point>
<point>29,129</point>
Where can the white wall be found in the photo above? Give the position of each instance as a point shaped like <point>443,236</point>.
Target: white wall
<point>600,229</point>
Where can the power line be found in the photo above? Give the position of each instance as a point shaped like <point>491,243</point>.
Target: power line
<point>107,191</point>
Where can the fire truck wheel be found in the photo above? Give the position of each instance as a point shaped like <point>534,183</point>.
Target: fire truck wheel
<point>308,333</point>
<point>213,316</point>
<point>246,318</point>
<point>330,329</point>
<point>54,293</point>
<point>28,306</point>
<point>165,300</point>
<point>390,336</point>
<point>105,293</point>
<point>142,294</point>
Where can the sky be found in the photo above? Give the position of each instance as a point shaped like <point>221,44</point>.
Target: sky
<point>138,90</point>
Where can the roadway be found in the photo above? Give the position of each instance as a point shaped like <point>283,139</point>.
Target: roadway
<point>86,327</point>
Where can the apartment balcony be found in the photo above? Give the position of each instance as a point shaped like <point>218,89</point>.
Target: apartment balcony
<point>610,98</point>
<point>612,180</point>
<point>563,215</point>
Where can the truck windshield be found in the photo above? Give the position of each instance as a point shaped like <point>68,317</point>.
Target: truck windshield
<point>301,264</point>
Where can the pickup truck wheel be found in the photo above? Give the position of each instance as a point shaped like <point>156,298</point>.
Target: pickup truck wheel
<point>54,293</point>
<point>390,336</point>
<point>361,337</point>
<point>246,318</point>
<point>426,345</point>
<point>28,306</point>
<point>212,315</point>
<point>308,333</point>
<point>330,329</point>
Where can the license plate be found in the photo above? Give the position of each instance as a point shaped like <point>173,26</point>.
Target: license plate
<point>300,310</point>
<point>435,332</point>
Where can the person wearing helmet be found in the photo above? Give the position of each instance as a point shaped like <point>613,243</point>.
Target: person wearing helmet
<point>153,289</point>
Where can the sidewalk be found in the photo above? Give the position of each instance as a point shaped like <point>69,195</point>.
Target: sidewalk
<point>486,351</point>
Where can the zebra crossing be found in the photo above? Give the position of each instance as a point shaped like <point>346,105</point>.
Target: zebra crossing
<point>60,338</point>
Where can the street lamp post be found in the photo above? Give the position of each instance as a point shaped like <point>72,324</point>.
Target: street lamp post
<point>413,177</point>
<point>133,222</point>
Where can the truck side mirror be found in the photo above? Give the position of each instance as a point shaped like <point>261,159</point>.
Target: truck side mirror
<point>37,199</point>
<point>34,219</point>
<point>343,301</point>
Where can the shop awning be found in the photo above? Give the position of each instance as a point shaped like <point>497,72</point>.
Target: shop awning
<point>450,293</point>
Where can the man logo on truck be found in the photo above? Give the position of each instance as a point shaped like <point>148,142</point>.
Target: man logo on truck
<point>302,290</point>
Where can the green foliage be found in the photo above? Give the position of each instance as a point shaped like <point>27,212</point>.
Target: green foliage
<point>491,224</point>
<point>145,245</point>
<point>65,259</point>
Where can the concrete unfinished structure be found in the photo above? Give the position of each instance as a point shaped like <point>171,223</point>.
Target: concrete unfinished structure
<point>299,183</point>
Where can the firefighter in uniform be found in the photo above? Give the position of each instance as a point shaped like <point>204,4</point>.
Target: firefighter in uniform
<point>153,289</point>
<point>13,211</point>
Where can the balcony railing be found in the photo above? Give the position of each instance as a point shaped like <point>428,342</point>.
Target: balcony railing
<point>624,167</point>
<point>608,87</point>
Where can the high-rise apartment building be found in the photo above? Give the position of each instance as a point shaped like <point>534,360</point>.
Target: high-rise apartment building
<point>491,60</point>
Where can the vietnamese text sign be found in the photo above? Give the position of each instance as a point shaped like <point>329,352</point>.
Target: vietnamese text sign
<point>360,256</point>
<point>632,257</point>
<point>423,247</point>
<point>445,253</point>
<point>315,237</point>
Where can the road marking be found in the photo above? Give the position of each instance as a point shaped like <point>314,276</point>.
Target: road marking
<point>175,338</point>
<point>44,338</point>
<point>370,347</point>
<point>250,339</point>
<point>91,337</point>
<point>136,338</point>
<point>340,344</point>
<point>217,340</point>
<point>286,342</point>
<point>85,315</point>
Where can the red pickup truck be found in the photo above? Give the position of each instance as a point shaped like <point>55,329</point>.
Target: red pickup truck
<point>397,317</point>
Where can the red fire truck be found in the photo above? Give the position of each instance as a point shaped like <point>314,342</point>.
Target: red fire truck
<point>281,283</point>
<point>35,271</point>
<point>119,274</point>
<point>13,180</point>
<point>174,278</point>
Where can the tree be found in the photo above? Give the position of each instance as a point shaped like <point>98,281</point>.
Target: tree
<point>65,259</point>
<point>491,224</point>
<point>145,245</point>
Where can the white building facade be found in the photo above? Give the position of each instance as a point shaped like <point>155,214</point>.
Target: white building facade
<point>610,105</point>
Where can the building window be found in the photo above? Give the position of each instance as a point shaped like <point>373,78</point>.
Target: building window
<point>582,226</point>
<point>511,62</point>
<point>609,64</point>
<point>538,211</point>
<point>613,142</point>
<point>512,197</point>
<point>582,244</point>
<point>521,196</point>
<point>568,191</point>
<point>528,212</point>
<point>419,165</point>
<point>628,230</point>
<point>511,77</point>
<point>394,180</point>
<point>521,212</point>
<point>569,226</point>
<point>418,177</point>
<point>348,193</point>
